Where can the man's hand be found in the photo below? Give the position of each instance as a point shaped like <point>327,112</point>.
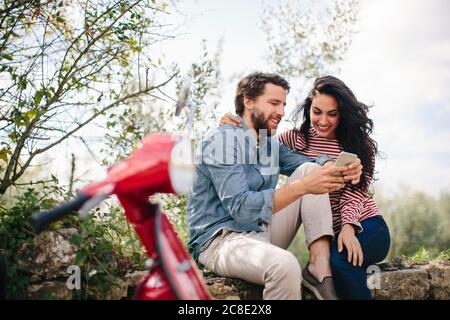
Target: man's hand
<point>322,180</point>
<point>228,118</point>
<point>347,238</point>
<point>319,181</point>
<point>352,171</point>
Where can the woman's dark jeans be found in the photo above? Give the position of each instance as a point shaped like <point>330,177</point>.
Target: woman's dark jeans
<point>350,281</point>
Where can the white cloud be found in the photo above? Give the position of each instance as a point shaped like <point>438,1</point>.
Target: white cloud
<point>400,61</point>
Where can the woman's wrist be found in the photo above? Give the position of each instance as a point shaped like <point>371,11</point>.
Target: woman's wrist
<point>349,227</point>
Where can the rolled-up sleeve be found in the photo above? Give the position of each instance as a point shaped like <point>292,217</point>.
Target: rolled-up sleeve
<point>352,202</point>
<point>230,182</point>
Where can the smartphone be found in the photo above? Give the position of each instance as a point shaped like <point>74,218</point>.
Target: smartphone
<point>344,159</point>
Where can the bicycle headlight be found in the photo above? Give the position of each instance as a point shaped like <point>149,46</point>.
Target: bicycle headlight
<point>182,166</point>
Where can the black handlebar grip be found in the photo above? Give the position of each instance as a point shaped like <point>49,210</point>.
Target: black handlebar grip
<point>40,220</point>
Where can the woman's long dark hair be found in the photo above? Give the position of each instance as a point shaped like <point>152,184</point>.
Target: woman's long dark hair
<point>354,128</point>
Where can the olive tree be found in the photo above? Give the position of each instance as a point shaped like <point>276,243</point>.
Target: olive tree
<point>64,63</point>
<point>306,41</point>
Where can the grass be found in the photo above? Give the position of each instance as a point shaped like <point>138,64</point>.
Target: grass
<point>299,249</point>
<point>424,255</point>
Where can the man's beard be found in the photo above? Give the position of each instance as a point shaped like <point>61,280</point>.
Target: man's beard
<point>260,123</point>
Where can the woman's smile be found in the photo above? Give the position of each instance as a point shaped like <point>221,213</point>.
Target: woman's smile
<point>322,128</point>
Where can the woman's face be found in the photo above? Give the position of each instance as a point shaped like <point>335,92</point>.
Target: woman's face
<point>324,115</point>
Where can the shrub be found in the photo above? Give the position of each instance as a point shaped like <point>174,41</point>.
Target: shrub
<point>107,246</point>
<point>15,231</point>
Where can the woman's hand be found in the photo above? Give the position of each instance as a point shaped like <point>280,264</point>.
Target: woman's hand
<point>347,238</point>
<point>228,118</point>
<point>353,172</point>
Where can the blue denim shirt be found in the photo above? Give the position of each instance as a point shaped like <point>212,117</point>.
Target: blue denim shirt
<point>236,180</point>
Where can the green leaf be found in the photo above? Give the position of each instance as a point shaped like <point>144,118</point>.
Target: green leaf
<point>107,246</point>
<point>54,179</point>
<point>23,84</point>
<point>13,136</point>
<point>38,97</point>
<point>81,257</point>
<point>32,114</point>
<point>7,56</point>
<point>76,239</point>
<point>4,154</point>
<point>66,66</point>
<point>47,94</point>
<point>129,243</point>
<point>136,256</point>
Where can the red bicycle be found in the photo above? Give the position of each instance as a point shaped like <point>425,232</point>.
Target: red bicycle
<point>163,164</point>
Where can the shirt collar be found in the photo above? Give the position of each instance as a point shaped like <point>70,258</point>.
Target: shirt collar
<point>244,125</point>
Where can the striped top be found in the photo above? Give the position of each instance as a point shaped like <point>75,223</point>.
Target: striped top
<point>348,205</point>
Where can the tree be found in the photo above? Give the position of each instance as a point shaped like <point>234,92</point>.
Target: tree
<point>128,126</point>
<point>304,43</point>
<point>65,63</point>
<point>417,220</point>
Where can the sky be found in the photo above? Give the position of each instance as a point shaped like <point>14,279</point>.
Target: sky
<point>399,62</point>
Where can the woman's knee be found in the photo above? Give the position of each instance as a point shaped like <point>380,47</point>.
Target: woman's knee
<point>350,281</point>
<point>338,261</point>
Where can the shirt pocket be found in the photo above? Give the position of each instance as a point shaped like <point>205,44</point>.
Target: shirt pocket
<point>254,178</point>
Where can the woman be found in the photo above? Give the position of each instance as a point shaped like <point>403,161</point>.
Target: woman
<point>335,121</point>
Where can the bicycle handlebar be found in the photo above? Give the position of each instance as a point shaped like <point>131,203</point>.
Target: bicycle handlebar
<point>40,220</point>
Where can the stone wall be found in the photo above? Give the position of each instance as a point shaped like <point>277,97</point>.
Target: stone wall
<point>397,280</point>
<point>48,258</point>
<point>46,261</point>
<point>401,281</point>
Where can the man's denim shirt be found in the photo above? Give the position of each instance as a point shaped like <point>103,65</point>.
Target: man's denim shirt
<point>235,183</point>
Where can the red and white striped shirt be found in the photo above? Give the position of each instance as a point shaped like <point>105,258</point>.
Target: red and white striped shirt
<point>348,205</point>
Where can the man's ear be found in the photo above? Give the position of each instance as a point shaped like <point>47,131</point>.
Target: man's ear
<point>248,103</point>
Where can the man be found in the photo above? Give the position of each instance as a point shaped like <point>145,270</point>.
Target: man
<point>240,225</point>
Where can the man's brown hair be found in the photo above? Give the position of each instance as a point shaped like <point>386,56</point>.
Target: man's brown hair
<point>252,86</point>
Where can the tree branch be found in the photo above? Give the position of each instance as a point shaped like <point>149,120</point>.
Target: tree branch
<point>81,125</point>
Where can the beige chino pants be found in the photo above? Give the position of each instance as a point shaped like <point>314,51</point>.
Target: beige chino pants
<point>261,257</point>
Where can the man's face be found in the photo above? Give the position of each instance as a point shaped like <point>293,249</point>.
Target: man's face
<point>267,109</point>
